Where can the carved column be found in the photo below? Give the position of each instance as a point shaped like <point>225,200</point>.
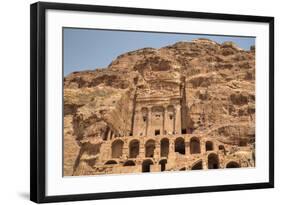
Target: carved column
<point>157,149</point>
<point>203,146</point>
<point>171,148</point>
<point>125,152</point>
<point>166,121</point>
<point>178,119</point>
<point>149,123</point>
<point>146,123</point>
<point>215,146</point>
<point>109,148</point>
<point>205,163</point>
<point>108,134</point>
<point>187,147</point>
<point>142,149</point>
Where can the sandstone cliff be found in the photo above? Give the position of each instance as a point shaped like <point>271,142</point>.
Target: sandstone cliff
<point>220,94</point>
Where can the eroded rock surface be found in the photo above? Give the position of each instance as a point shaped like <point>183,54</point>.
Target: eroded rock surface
<point>211,86</point>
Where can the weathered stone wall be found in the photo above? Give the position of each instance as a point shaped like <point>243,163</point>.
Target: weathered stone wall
<point>177,159</point>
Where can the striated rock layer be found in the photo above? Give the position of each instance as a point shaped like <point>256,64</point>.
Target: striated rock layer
<point>187,106</point>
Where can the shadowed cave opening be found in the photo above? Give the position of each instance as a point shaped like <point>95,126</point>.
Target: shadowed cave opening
<point>221,147</point>
<point>110,162</point>
<point>232,164</point>
<point>146,165</point>
<point>209,146</point>
<point>129,163</point>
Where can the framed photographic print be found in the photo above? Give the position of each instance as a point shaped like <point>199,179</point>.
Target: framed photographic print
<point>129,102</point>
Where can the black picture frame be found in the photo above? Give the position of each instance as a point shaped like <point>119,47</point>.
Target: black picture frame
<point>38,101</point>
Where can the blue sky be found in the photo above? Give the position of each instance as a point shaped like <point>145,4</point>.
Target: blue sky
<point>90,48</point>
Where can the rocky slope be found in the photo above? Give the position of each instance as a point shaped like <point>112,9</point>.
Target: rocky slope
<point>220,93</point>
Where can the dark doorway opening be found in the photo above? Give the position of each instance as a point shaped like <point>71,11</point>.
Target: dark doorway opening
<point>146,165</point>
<point>163,163</point>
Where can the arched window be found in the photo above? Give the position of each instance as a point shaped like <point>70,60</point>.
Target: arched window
<point>180,145</point>
<point>197,166</point>
<point>110,162</point>
<point>209,146</point>
<point>149,148</point>
<point>117,148</point>
<point>164,147</point>
<point>129,163</point>
<point>195,145</point>
<point>232,164</point>
<point>134,148</point>
<point>213,161</point>
<point>163,163</point>
<point>146,165</point>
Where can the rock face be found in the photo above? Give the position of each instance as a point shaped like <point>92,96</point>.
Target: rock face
<point>187,106</point>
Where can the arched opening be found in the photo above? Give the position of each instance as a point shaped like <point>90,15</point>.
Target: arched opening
<point>232,164</point>
<point>209,146</point>
<point>110,162</point>
<point>163,163</point>
<point>221,147</point>
<point>182,169</point>
<point>134,148</point>
<point>180,145</point>
<point>195,145</point>
<point>213,161</point>
<point>129,163</point>
<point>164,147</point>
<point>197,166</point>
<point>146,165</point>
<point>149,148</point>
<point>117,148</point>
